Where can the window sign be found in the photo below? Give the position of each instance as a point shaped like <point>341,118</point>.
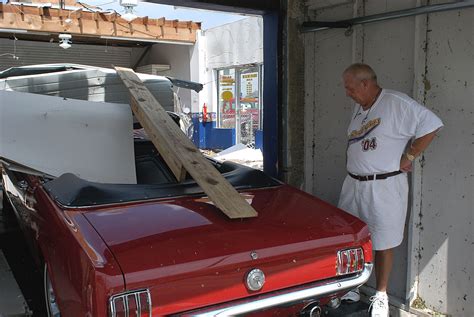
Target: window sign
<point>249,104</point>
<point>249,86</point>
<point>226,98</point>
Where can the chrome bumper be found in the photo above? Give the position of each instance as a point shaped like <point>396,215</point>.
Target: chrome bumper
<point>295,294</point>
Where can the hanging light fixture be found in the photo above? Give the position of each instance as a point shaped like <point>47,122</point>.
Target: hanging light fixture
<point>128,6</point>
<point>65,40</point>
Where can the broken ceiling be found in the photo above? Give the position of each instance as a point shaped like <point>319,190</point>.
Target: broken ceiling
<point>43,21</point>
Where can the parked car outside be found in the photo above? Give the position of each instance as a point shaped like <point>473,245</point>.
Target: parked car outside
<point>146,245</point>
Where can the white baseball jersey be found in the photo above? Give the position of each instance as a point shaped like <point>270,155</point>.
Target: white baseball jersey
<point>379,135</point>
<point>377,139</point>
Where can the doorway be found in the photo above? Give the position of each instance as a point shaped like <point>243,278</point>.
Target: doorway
<point>239,100</point>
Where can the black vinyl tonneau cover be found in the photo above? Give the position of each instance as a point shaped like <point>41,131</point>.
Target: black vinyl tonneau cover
<point>72,191</point>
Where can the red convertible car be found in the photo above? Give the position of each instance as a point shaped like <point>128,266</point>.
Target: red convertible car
<point>145,245</point>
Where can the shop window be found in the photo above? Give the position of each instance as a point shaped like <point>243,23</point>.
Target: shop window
<point>239,100</point>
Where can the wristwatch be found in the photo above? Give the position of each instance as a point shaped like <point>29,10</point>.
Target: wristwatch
<point>410,157</point>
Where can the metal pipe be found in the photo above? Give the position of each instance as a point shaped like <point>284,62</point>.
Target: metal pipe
<point>311,310</point>
<point>313,26</point>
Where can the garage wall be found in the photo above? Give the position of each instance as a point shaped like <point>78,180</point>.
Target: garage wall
<point>430,57</point>
<point>447,243</point>
<point>31,52</point>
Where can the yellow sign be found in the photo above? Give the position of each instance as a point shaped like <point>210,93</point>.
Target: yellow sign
<point>250,75</point>
<point>227,95</point>
<point>227,79</point>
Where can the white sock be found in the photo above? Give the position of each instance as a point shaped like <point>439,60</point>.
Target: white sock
<point>381,294</point>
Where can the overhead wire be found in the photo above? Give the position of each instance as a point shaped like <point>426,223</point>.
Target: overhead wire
<point>13,55</point>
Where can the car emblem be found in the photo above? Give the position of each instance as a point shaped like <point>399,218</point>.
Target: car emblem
<point>255,280</point>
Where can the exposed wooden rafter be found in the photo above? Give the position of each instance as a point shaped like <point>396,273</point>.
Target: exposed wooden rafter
<point>92,23</point>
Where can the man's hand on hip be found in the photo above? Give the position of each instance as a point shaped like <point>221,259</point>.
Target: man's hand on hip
<point>405,164</point>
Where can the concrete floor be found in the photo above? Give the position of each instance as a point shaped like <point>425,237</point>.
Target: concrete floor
<point>12,302</point>
<point>359,309</point>
<point>20,282</point>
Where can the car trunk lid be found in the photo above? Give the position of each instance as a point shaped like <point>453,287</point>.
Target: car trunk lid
<point>189,254</point>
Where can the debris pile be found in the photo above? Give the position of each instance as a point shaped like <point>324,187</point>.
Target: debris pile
<point>243,155</point>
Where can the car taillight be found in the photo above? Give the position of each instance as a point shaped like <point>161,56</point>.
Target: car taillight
<point>350,261</point>
<point>131,304</point>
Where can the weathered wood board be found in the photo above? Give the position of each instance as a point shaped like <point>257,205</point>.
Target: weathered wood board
<point>179,152</point>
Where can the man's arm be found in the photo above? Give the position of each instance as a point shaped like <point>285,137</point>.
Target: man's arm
<point>416,148</point>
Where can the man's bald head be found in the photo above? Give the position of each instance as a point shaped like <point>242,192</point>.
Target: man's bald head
<point>360,82</point>
<point>361,72</point>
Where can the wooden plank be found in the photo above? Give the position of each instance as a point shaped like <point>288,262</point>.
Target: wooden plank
<point>177,150</point>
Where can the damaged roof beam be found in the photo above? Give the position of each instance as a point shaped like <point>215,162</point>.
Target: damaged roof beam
<point>84,25</point>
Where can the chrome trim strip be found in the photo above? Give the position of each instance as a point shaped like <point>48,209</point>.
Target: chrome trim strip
<point>124,297</point>
<point>125,303</point>
<point>341,254</point>
<point>139,305</point>
<point>150,306</point>
<point>356,257</point>
<point>300,293</point>
<point>348,258</point>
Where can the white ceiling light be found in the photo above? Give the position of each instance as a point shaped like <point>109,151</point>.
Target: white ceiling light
<point>65,40</point>
<point>128,6</point>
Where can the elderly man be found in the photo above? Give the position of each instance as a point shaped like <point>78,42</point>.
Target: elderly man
<point>378,157</point>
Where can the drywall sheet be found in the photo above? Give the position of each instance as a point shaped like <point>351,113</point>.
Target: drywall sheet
<point>54,135</point>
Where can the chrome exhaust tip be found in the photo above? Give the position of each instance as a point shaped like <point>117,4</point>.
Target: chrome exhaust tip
<point>311,310</point>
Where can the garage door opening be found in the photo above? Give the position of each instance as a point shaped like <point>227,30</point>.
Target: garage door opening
<point>224,51</point>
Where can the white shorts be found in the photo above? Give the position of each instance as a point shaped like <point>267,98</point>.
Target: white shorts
<point>382,204</point>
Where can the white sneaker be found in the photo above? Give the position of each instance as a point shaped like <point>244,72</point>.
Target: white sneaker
<point>379,306</point>
<point>352,296</point>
